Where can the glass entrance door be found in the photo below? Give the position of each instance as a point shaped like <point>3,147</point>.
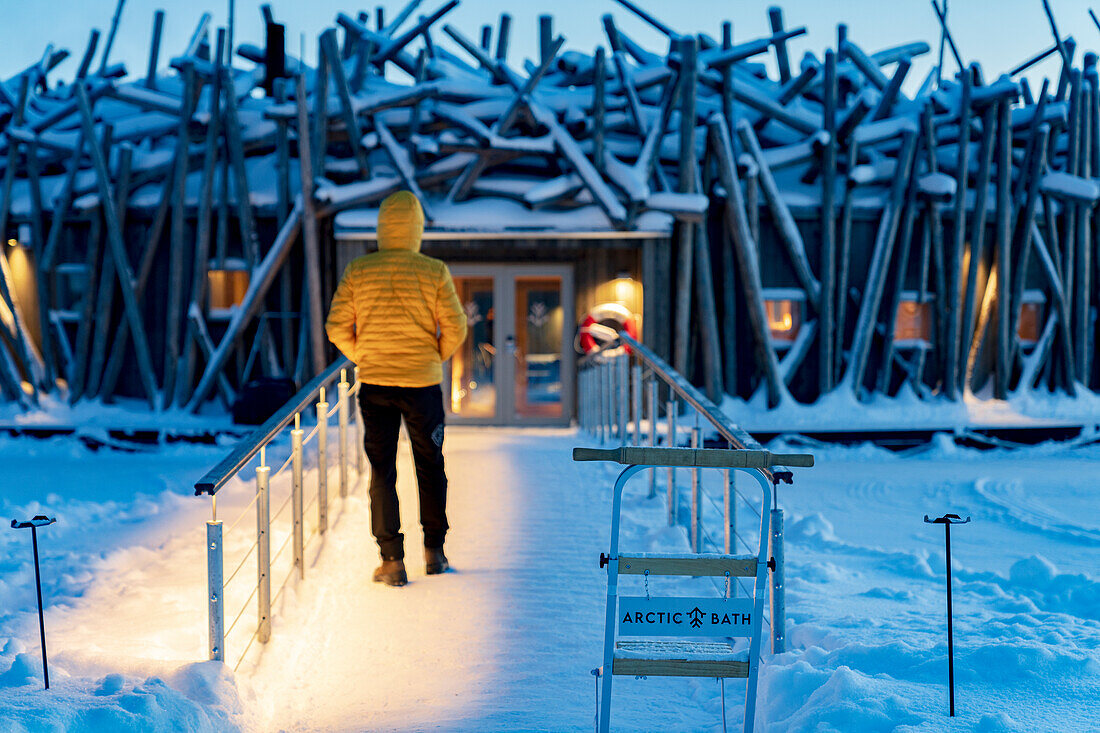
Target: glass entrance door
<point>515,366</point>
<point>473,387</point>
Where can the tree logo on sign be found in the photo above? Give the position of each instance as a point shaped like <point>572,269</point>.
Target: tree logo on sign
<point>696,617</point>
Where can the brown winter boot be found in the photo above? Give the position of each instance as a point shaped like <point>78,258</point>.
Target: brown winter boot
<point>392,573</point>
<point>435,562</point>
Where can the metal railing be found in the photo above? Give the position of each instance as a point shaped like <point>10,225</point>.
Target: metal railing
<point>620,402</point>
<point>300,527</point>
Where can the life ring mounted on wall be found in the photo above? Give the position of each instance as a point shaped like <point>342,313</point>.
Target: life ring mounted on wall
<point>602,324</point>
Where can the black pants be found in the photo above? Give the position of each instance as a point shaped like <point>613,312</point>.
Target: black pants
<point>422,408</point>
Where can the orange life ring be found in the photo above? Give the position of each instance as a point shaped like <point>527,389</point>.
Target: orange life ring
<point>603,319</point>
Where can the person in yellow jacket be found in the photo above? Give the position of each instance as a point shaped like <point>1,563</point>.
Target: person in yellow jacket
<point>396,314</point>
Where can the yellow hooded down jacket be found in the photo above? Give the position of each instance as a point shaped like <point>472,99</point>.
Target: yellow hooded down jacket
<point>395,312</point>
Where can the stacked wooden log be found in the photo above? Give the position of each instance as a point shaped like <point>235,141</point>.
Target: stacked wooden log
<point>969,191</point>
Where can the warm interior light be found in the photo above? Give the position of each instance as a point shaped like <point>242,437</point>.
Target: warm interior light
<point>226,288</point>
<point>25,289</point>
<point>913,321</point>
<point>13,242</point>
<point>624,289</point>
<point>1029,325</point>
<point>6,316</point>
<point>456,394</point>
<point>472,380</point>
<point>784,319</point>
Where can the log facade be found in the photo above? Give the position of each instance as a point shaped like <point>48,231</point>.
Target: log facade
<point>175,233</point>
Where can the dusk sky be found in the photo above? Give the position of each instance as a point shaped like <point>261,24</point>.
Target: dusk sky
<point>997,34</point>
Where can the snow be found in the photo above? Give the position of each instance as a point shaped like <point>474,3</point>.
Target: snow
<point>688,650</point>
<point>687,556</point>
<point>803,198</point>
<point>685,204</point>
<point>500,215</point>
<point>881,171</point>
<point>937,185</point>
<point>838,410</point>
<point>1073,188</point>
<point>91,417</point>
<point>261,187</point>
<point>1025,628</point>
<point>873,132</point>
<point>507,640</point>
<point>123,646</point>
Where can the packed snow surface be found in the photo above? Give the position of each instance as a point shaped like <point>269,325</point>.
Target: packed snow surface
<point>507,641</point>
<point>840,411</point>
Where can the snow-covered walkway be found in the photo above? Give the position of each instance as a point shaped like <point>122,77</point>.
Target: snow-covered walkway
<point>507,641</point>
<point>504,642</point>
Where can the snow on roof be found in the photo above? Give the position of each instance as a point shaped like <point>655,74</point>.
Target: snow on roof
<point>497,216</point>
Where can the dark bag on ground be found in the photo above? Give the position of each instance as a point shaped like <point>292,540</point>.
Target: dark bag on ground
<point>260,398</point>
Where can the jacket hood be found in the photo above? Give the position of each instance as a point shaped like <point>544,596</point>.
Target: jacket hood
<point>400,222</point>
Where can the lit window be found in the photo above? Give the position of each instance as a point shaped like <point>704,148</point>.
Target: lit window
<point>1030,324</point>
<point>784,309</point>
<point>226,287</point>
<point>913,322</point>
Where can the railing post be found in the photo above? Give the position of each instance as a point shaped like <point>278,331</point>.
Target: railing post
<point>579,397</point>
<point>322,464</point>
<point>342,436</point>
<point>623,369</point>
<point>696,529</point>
<point>582,395</point>
<point>263,551</point>
<point>613,365</point>
<point>215,605</point>
<point>590,394</point>
<point>609,398</point>
<point>597,399</point>
<point>612,397</point>
<point>729,507</point>
<point>296,496</point>
<point>653,418</point>
<point>605,401</point>
<point>778,603</point>
<point>360,454</point>
<point>636,400</point>
<point>670,412</point>
<point>596,395</point>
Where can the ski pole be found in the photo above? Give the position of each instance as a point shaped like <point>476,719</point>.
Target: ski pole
<point>947,520</point>
<point>38,521</point>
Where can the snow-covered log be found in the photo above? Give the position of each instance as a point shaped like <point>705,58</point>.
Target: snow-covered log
<point>214,170</point>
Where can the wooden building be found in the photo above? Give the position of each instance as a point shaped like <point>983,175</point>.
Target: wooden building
<point>527,279</point>
<point>175,234</point>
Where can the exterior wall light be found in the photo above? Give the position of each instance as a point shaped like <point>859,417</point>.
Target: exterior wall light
<point>624,289</point>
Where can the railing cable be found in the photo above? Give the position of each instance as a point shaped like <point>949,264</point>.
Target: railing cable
<point>243,609</point>
<point>246,648</point>
<point>241,564</point>
<point>243,513</point>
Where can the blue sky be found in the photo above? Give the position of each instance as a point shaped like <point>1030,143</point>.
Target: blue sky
<point>996,33</point>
